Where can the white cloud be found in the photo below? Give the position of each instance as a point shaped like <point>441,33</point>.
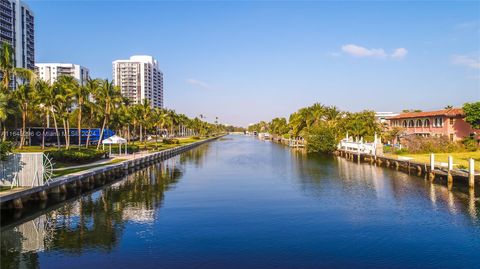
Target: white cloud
<point>359,51</point>
<point>399,53</point>
<point>468,61</point>
<point>199,83</point>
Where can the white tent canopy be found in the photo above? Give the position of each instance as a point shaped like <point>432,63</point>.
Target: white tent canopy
<point>115,140</point>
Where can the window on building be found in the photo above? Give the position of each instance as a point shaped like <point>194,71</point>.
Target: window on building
<point>419,123</point>
<point>451,137</point>
<point>451,121</point>
<point>411,123</point>
<point>426,123</point>
<point>405,123</point>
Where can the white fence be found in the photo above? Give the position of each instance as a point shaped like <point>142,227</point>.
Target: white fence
<point>25,170</point>
<point>358,146</point>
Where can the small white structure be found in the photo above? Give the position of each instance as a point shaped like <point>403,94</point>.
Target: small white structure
<point>115,140</point>
<point>29,169</point>
<point>359,146</point>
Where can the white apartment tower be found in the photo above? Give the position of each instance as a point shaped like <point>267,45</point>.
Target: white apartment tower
<point>139,78</point>
<point>17,29</point>
<point>50,72</point>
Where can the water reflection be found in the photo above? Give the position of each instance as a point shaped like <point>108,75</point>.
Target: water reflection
<point>244,203</point>
<point>315,174</point>
<point>97,220</point>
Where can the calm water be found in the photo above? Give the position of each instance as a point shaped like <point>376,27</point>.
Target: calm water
<point>243,203</point>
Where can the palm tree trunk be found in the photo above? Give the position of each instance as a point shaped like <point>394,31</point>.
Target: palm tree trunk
<point>56,129</point>
<point>79,126</point>
<point>65,132</point>
<point>24,123</point>
<point>101,132</point>
<point>43,134</point>
<point>68,132</point>
<point>134,130</point>
<point>88,137</point>
<point>128,133</point>
<point>4,135</point>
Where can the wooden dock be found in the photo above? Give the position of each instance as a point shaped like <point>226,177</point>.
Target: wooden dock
<point>429,171</point>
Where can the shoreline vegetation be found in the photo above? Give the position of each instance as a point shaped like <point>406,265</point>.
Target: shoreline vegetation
<point>322,127</point>
<point>62,169</point>
<point>65,105</point>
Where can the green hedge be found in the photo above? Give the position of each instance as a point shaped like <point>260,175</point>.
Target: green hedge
<point>76,155</point>
<point>130,149</point>
<point>171,141</point>
<point>5,148</point>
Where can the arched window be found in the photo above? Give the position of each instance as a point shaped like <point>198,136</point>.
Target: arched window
<point>419,123</point>
<point>438,122</point>
<point>405,123</point>
<point>426,123</point>
<point>411,123</point>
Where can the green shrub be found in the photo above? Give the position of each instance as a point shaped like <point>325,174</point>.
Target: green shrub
<point>76,155</point>
<point>196,137</point>
<point>130,149</point>
<point>401,151</point>
<point>321,139</point>
<point>170,141</point>
<point>417,144</point>
<point>5,148</point>
<point>470,143</point>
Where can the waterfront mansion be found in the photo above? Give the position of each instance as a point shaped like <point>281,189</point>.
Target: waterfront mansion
<point>447,122</point>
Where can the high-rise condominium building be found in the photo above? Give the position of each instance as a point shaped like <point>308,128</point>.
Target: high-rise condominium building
<point>51,71</point>
<point>139,78</point>
<point>17,29</point>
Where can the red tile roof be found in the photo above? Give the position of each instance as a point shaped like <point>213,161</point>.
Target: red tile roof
<point>452,112</point>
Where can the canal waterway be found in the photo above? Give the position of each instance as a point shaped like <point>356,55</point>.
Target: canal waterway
<point>239,202</point>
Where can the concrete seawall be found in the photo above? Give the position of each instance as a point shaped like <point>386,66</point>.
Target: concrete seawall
<point>90,178</point>
<point>414,168</point>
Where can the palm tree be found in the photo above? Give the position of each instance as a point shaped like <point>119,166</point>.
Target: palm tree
<point>23,95</point>
<point>92,110</point>
<point>48,96</point>
<point>8,69</point>
<point>146,109</point>
<point>81,94</point>
<point>66,86</point>
<point>5,110</point>
<point>135,114</point>
<point>108,95</point>
<point>41,98</point>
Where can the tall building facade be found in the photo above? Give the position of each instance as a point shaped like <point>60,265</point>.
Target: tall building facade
<point>139,78</point>
<point>51,71</point>
<point>17,27</point>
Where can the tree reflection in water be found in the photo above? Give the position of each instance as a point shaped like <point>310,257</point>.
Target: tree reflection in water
<point>96,220</point>
<point>315,173</point>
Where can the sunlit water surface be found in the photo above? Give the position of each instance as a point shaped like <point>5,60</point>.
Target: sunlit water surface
<point>243,203</point>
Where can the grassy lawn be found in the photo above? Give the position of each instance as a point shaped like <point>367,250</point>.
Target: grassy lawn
<point>151,146</point>
<point>5,188</point>
<point>460,159</point>
<point>74,170</point>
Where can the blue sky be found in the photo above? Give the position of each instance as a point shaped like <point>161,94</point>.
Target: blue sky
<point>249,61</point>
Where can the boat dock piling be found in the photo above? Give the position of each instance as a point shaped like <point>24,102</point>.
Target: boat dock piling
<point>430,170</point>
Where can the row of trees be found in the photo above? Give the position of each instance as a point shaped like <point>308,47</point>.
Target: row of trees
<point>321,126</point>
<point>66,103</point>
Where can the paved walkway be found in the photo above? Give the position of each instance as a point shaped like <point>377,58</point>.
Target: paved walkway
<point>105,161</point>
<point>14,190</point>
